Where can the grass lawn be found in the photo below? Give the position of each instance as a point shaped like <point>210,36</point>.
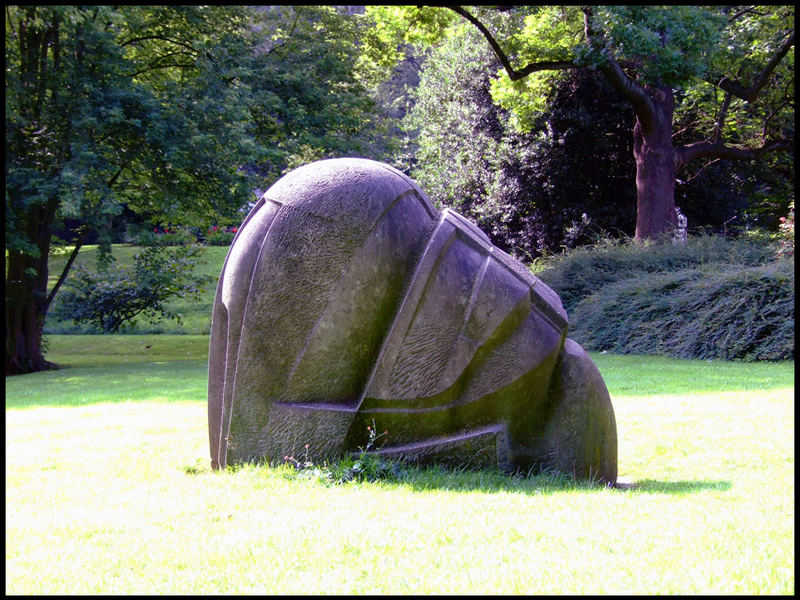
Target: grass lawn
<point>108,490</point>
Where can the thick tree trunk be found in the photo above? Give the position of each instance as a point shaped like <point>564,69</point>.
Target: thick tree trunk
<point>655,171</point>
<point>25,313</point>
<point>26,298</point>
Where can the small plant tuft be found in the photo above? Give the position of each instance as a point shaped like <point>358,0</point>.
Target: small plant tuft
<point>367,465</point>
<point>197,468</point>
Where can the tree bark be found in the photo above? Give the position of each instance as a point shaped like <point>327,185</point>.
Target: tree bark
<point>655,169</point>
<point>26,297</point>
<point>24,326</point>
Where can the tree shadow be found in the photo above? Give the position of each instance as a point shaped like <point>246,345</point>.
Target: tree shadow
<point>651,486</point>
<point>497,482</point>
<point>437,477</point>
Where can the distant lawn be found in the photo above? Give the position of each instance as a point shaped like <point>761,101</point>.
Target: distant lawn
<point>108,490</point>
<point>195,315</point>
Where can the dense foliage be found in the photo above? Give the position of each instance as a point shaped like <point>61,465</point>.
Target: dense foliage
<point>567,180</point>
<point>711,298</point>
<point>519,187</point>
<point>308,101</point>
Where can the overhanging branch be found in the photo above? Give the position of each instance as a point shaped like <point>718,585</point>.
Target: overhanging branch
<point>750,94</point>
<point>513,74</point>
<point>622,84</point>
<point>718,150</point>
<point>68,266</point>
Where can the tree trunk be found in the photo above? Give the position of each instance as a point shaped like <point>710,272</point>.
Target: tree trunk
<point>655,170</point>
<point>26,298</point>
<point>24,318</point>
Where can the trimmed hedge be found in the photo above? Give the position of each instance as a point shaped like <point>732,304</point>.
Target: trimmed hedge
<point>584,270</point>
<point>712,298</point>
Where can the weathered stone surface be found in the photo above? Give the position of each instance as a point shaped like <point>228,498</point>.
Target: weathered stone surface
<point>347,297</point>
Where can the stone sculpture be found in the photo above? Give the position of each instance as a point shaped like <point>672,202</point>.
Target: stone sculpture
<point>346,297</point>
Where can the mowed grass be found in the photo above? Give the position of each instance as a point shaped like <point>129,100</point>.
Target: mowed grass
<point>108,490</point>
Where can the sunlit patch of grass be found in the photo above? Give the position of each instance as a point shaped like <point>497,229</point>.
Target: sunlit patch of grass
<point>655,375</point>
<point>115,368</point>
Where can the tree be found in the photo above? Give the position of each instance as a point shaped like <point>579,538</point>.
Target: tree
<point>176,113</point>
<point>112,299</point>
<point>520,187</point>
<point>103,107</point>
<point>311,102</point>
<point>734,62</point>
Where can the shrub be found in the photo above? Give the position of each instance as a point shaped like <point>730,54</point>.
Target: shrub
<point>711,298</point>
<point>712,312</point>
<point>110,299</point>
<point>581,272</point>
<point>220,238</point>
<point>170,236</point>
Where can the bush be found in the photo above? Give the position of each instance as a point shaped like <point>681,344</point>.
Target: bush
<point>711,298</point>
<point>712,312</point>
<point>110,299</point>
<point>220,238</point>
<point>581,272</point>
<point>179,236</point>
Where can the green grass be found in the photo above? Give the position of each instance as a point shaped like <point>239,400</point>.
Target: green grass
<point>108,490</point>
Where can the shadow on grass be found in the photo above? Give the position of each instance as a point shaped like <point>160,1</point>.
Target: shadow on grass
<point>550,484</point>
<point>652,486</point>
<point>441,478</point>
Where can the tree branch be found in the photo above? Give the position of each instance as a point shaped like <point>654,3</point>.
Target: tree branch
<point>750,94</point>
<point>624,85</point>
<point>68,266</point>
<point>194,52</point>
<point>513,74</point>
<point>718,150</point>
<point>771,115</point>
<point>723,114</point>
<point>288,35</point>
<point>749,9</point>
<point>699,171</point>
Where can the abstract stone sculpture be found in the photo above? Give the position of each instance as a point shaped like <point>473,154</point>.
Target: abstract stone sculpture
<point>346,297</point>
